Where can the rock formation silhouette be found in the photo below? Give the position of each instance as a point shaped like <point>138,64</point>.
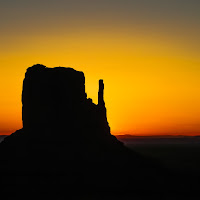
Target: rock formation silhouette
<point>66,139</point>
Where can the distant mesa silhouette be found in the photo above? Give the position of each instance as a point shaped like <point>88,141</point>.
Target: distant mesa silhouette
<point>66,137</point>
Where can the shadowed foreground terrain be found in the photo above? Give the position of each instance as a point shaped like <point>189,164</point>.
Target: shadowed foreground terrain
<point>65,146</point>
<point>180,153</point>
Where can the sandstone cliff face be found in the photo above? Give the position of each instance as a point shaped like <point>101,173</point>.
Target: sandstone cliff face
<point>54,102</point>
<point>57,115</point>
<point>51,96</point>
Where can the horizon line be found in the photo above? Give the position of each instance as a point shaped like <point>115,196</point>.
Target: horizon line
<point>137,135</point>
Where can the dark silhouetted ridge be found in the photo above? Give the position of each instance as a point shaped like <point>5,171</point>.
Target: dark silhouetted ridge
<point>66,139</point>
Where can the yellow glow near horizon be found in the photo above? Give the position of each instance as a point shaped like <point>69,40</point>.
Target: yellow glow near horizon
<point>151,83</point>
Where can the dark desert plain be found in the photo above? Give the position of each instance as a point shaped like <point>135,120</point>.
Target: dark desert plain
<point>100,99</point>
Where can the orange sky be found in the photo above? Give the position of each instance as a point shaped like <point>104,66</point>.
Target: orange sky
<point>150,61</point>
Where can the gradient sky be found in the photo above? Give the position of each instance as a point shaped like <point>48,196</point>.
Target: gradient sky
<point>147,52</point>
